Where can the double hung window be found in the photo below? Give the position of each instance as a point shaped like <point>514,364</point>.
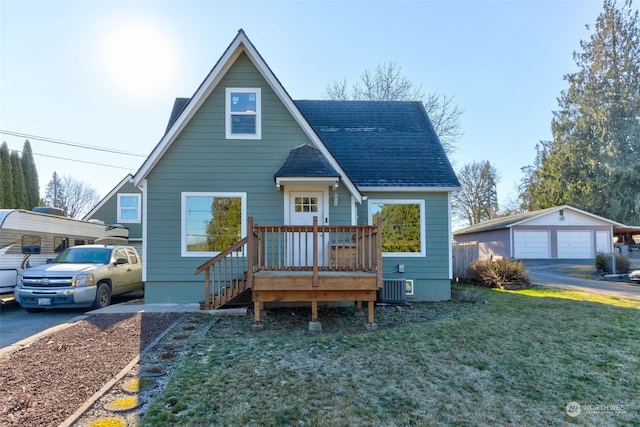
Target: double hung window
<point>243,113</point>
<point>128,208</point>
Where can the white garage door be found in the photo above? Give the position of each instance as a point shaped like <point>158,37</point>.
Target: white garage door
<point>531,244</point>
<point>575,244</point>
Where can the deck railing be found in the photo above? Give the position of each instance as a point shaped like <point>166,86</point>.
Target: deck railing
<point>321,247</point>
<point>313,248</point>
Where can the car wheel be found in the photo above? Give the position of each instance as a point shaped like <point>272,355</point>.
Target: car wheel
<point>103,296</point>
<point>34,310</point>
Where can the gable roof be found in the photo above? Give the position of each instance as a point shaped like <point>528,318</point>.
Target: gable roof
<point>382,144</point>
<point>108,197</point>
<point>513,220</point>
<point>240,44</point>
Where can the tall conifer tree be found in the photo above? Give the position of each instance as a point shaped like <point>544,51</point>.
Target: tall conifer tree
<point>30,176</point>
<point>6,181</point>
<point>593,162</point>
<point>19,188</point>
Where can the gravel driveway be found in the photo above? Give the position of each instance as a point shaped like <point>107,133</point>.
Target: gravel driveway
<point>555,273</point>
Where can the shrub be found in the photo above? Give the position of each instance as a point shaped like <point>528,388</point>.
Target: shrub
<point>604,262</point>
<point>500,273</point>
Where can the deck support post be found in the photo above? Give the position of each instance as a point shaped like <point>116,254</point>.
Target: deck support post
<point>371,308</point>
<point>257,305</point>
<point>358,306</point>
<point>314,311</point>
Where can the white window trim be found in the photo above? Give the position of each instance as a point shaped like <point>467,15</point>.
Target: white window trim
<point>138,216</point>
<point>258,113</point>
<point>183,219</point>
<point>423,243</point>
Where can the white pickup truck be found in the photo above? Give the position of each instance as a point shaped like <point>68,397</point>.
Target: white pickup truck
<point>81,276</point>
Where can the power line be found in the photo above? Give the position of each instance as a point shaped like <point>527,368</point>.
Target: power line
<point>82,161</point>
<point>70,144</point>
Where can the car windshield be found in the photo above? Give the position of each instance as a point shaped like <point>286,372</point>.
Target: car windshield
<point>84,256</point>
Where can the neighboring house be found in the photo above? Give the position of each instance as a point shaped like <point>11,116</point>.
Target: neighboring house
<point>555,233</point>
<point>241,148</point>
<point>123,205</point>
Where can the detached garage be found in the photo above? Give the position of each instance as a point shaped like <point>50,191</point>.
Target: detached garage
<point>562,232</point>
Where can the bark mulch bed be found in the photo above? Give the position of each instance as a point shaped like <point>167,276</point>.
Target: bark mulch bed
<point>46,382</point>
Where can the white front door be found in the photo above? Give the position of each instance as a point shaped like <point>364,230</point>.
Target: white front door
<point>303,206</point>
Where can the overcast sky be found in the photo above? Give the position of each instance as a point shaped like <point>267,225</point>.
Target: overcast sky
<point>105,73</point>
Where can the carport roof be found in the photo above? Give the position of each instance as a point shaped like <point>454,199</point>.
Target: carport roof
<point>510,221</point>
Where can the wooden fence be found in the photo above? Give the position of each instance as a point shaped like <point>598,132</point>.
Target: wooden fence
<point>464,254</point>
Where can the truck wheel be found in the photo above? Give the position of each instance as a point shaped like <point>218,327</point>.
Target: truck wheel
<point>103,296</point>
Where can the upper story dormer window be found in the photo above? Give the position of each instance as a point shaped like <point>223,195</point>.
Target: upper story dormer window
<point>243,113</point>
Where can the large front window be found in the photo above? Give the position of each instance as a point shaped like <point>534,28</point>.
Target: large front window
<point>211,222</point>
<point>243,113</point>
<point>402,226</point>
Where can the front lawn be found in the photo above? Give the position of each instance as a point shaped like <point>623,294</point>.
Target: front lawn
<point>485,358</point>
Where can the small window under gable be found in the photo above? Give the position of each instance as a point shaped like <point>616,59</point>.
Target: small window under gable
<point>243,108</point>
<point>128,208</point>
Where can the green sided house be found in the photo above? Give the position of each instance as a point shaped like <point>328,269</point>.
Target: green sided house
<point>123,205</point>
<point>295,200</point>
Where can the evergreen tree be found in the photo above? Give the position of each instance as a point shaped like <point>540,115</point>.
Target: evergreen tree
<point>225,227</point>
<point>30,176</point>
<point>593,162</point>
<point>55,195</point>
<point>6,182</point>
<point>19,188</point>
<point>400,227</point>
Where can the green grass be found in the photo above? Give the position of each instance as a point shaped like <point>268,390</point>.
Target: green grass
<point>517,360</point>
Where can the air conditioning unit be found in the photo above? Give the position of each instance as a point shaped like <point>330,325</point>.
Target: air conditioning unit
<point>393,291</point>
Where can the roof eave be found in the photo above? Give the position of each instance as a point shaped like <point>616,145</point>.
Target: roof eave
<point>410,189</point>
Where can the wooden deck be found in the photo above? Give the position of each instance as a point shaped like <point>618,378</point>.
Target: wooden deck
<point>298,264</point>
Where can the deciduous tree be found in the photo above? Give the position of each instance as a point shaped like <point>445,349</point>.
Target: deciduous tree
<point>477,201</point>
<point>386,83</point>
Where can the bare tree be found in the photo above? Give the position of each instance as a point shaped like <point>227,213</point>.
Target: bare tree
<point>74,197</point>
<point>386,83</point>
<point>477,201</point>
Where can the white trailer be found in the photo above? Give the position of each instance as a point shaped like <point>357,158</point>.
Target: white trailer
<point>31,238</point>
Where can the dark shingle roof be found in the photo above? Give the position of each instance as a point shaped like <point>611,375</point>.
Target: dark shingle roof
<point>306,161</point>
<point>377,143</point>
<point>178,106</point>
<point>381,143</point>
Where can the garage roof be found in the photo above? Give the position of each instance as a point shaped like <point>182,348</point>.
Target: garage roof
<point>512,220</point>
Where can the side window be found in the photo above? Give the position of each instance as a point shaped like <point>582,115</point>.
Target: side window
<point>120,254</point>
<point>243,109</point>
<point>129,208</point>
<point>403,226</point>
<point>133,259</point>
<point>60,243</point>
<point>31,244</point>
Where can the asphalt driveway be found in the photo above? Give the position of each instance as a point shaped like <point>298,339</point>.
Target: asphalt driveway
<point>554,273</point>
